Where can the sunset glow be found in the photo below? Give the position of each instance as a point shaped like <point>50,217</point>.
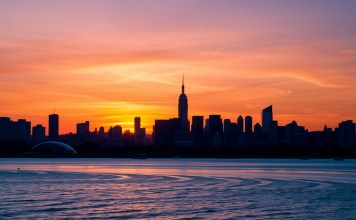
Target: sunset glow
<point>109,61</point>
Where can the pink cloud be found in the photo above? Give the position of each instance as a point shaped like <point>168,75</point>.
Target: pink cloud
<point>348,52</point>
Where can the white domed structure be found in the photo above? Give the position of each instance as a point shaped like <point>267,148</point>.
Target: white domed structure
<point>53,147</point>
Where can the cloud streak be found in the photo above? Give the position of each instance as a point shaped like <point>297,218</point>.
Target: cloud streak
<point>112,61</point>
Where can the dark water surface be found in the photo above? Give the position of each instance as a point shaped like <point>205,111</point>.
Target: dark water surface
<point>177,189</point>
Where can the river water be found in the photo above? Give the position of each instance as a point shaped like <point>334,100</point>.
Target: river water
<point>177,189</point>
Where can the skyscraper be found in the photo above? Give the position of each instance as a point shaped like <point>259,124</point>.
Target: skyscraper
<point>281,130</point>
<point>183,107</point>
<point>257,128</point>
<point>347,134</point>
<point>240,125</point>
<point>143,132</point>
<point>257,133</point>
<point>232,136</point>
<point>165,131</point>
<point>153,135</point>
<point>22,130</point>
<point>101,133</point>
<point>197,126</point>
<point>38,134</point>
<point>53,127</point>
<point>110,132</point>
<point>217,139</point>
<point>137,138</point>
<point>248,125</point>
<point>83,129</point>
<point>5,128</point>
<point>266,118</point>
<point>215,125</point>
<point>227,123</point>
<point>273,131</point>
<point>293,130</point>
<point>117,132</point>
<point>206,129</point>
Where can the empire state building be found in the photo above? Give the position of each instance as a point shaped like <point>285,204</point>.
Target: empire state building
<point>183,105</point>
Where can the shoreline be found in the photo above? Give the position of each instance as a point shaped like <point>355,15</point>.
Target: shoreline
<point>169,156</point>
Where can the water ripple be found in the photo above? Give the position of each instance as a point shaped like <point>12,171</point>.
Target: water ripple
<point>68,195</point>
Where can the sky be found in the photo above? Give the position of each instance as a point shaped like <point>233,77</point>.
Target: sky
<point>110,61</point>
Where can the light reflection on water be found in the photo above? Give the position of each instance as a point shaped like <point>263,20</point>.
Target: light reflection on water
<point>177,189</point>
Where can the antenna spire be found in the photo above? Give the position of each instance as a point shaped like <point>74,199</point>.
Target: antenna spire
<point>183,84</point>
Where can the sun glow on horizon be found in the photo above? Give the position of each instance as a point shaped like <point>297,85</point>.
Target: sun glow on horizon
<point>113,61</point>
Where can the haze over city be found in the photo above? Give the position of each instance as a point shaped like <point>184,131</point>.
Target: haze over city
<point>108,63</point>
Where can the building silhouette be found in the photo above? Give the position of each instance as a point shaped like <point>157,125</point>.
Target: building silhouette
<point>217,139</point>
<point>137,138</point>
<point>281,132</point>
<point>110,132</point>
<point>15,130</point>
<point>248,125</point>
<point>153,135</point>
<point>165,131</point>
<point>227,123</point>
<point>53,126</point>
<point>101,133</point>
<point>94,134</point>
<point>347,134</point>
<point>197,130</point>
<point>182,137</point>
<point>233,136</point>
<point>257,128</point>
<point>206,128</point>
<point>128,134</point>
<point>117,132</point>
<point>5,128</point>
<point>257,133</point>
<point>266,118</point>
<point>128,138</point>
<point>83,129</point>
<point>38,134</point>
<point>240,125</point>
<point>294,132</point>
<point>22,130</point>
<point>329,137</point>
<point>178,132</point>
<point>273,131</point>
<point>183,108</point>
<point>215,125</point>
<point>183,105</point>
<point>144,140</point>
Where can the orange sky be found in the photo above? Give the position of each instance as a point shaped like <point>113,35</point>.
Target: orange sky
<point>109,61</point>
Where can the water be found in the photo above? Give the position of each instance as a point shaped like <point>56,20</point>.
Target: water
<point>177,189</point>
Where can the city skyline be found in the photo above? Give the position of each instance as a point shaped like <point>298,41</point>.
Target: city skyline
<point>183,114</point>
<point>204,109</point>
<point>109,63</point>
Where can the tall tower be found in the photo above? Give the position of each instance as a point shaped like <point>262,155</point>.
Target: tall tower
<point>240,125</point>
<point>266,118</point>
<point>248,125</point>
<point>183,105</point>
<point>53,127</point>
<point>137,137</point>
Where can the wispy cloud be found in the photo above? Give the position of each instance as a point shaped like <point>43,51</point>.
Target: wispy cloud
<point>111,62</point>
<point>347,52</point>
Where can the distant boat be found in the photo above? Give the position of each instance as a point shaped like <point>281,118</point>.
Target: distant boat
<point>305,158</point>
<point>176,157</point>
<point>141,156</point>
<point>338,158</point>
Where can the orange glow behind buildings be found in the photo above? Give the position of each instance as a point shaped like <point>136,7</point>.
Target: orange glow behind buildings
<point>107,62</point>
